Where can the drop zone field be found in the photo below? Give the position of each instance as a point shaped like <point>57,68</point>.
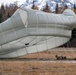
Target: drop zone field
<point>42,63</point>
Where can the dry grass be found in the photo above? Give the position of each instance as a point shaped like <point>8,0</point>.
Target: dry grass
<point>50,54</point>
<point>36,68</point>
<point>40,67</point>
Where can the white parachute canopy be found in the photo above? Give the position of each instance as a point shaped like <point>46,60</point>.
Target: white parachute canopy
<point>30,31</point>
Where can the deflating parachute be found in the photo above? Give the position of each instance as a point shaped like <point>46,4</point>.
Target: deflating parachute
<point>30,31</point>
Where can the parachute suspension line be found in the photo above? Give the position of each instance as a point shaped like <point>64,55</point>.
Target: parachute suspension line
<point>21,43</point>
<point>36,45</point>
<point>42,39</point>
<point>18,41</point>
<point>29,44</point>
<point>33,39</point>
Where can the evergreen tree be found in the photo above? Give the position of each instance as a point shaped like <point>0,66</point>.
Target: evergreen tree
<point>2,8</point>
<point>74,8</point>
<point>65,7</point>
<point>0,17</point>
<point>33,5</point>
<point>56,7</point>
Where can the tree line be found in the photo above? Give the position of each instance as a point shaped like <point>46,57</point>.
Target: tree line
<point>7,11</point>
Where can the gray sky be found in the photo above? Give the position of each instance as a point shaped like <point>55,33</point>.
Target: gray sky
<point>22,1</point>
<point>11,1</point>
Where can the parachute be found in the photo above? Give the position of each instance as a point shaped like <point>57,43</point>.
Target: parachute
<point>30,31</point>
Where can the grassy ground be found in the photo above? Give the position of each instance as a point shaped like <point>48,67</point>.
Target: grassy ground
<point>40,67</point>
<point>50,54</point>
<point>37,68</point>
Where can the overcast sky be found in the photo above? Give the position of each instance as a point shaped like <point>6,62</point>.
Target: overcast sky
<point>11,1</point>
<point>22,1</point>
